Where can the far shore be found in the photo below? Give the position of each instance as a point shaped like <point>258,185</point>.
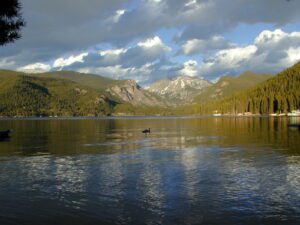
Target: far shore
<point>134,117</point>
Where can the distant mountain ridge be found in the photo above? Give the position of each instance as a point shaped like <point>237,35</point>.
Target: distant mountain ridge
<point>182,88</point>
<point>72,93</point>
<point>278,94</point>
<point>228,85</point>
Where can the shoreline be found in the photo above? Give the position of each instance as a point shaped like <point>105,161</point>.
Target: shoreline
<point>138,117</point>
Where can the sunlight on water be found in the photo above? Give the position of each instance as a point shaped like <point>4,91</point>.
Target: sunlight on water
<point>187,171</point>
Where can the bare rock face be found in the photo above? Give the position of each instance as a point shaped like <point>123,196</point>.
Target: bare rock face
<point>129,91</point>
<point>182,88</point>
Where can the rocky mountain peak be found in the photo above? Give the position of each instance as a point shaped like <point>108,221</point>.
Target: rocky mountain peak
<point>129,91</point>
<point>180,88</point>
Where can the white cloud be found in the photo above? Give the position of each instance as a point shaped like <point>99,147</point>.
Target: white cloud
<point>143,52</point>
<point>62,62</point>
<point>232,57</point>
<point>196,46</point>
<point>120,63</point>
<point>76,25</point>
<point>190,68</point>
<point>228,60</point>
<point>150,59</point>
<point>293,55</point>
<point>35,68</point>
<point>118,14</point>
<point>191,3</point>
<point>6,63</point>
<point>140,74</point>
<point>112,52</point>
<point>270,52</point>
<point>115,72</point>
<point>153,42</point>
<point>270,37</point>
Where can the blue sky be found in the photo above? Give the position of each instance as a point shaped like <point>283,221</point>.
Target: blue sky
<point>148,40</point>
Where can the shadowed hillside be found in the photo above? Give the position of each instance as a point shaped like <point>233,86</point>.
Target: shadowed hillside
<point>31,96</point>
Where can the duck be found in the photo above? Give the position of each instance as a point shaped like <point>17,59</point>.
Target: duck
<point>147,131</point>
<point>5,133</point>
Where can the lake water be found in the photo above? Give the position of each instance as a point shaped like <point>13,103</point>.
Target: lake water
<point>187,171</point>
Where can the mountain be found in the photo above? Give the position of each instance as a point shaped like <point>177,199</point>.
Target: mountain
<point>180,89</point>
<point>23,95</point>
<point>69,93</point>
<point>129,91</point>
<point>228,85</point>
<point>280,93</point>
<point>119,90</point>
<point>90,80</point>
<point>123,91</point>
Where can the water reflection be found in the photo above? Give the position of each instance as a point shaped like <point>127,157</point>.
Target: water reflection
<point>187,171</point>
<point>97,136</point>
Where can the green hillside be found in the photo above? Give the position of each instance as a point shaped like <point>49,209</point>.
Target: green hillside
<point>229,85</point>
<point>90,80</point>
<point>278,94</point>
<point>75,94</point>
<point>22,95</point>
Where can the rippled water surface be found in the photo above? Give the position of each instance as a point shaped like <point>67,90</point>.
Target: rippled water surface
<point>187,171</point>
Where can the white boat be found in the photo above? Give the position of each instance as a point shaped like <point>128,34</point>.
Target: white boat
<point>294,113</point>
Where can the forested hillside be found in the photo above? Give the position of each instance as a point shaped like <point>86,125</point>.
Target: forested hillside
<point>75,94</point>
<point>96,82</point>
<point>229,85</point>
<point>278,94</point>
<point>31,96</point>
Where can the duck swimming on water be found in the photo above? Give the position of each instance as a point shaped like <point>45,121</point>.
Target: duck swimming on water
<point>4,134</point>
<point>147,131</point>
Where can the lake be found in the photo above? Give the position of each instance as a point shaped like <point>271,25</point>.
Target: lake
<point>187,171</point>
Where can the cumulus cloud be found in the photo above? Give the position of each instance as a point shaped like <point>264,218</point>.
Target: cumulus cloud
<point>153,42</point>
<point>270,52</point>
<point>35,68</point>
<point>190,68</point>
<point>229,60</point>
<point>135,62</point>
<point>153,38</point>
<point>147,61</point>
<point>145,51</point>
<point>196,46</point>
<point>63,62</point>
<point>140,75</point>
<point>58,26</point>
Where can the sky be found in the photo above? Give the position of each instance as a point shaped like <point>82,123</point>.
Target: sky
<point>149,40</point>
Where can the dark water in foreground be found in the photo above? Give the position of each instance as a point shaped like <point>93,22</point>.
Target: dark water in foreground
<point>187,171</point>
